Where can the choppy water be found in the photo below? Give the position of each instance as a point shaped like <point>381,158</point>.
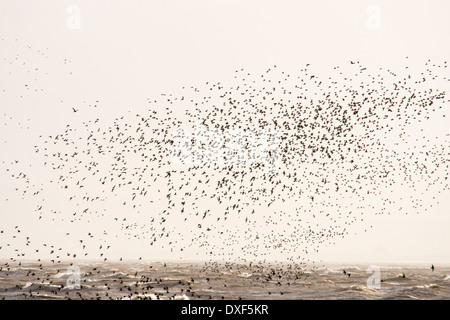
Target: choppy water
<point>219,281</point>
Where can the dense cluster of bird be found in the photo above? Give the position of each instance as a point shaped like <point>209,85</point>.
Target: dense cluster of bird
<point>321,161</point>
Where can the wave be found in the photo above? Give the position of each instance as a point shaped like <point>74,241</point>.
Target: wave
<point>152,296</point>
<point>362,289</point>
<point>33,286</point>
<point>428,286</point>
<point>245,275</point>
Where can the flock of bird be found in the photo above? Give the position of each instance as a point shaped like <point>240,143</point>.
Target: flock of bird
<point>269,164</point>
